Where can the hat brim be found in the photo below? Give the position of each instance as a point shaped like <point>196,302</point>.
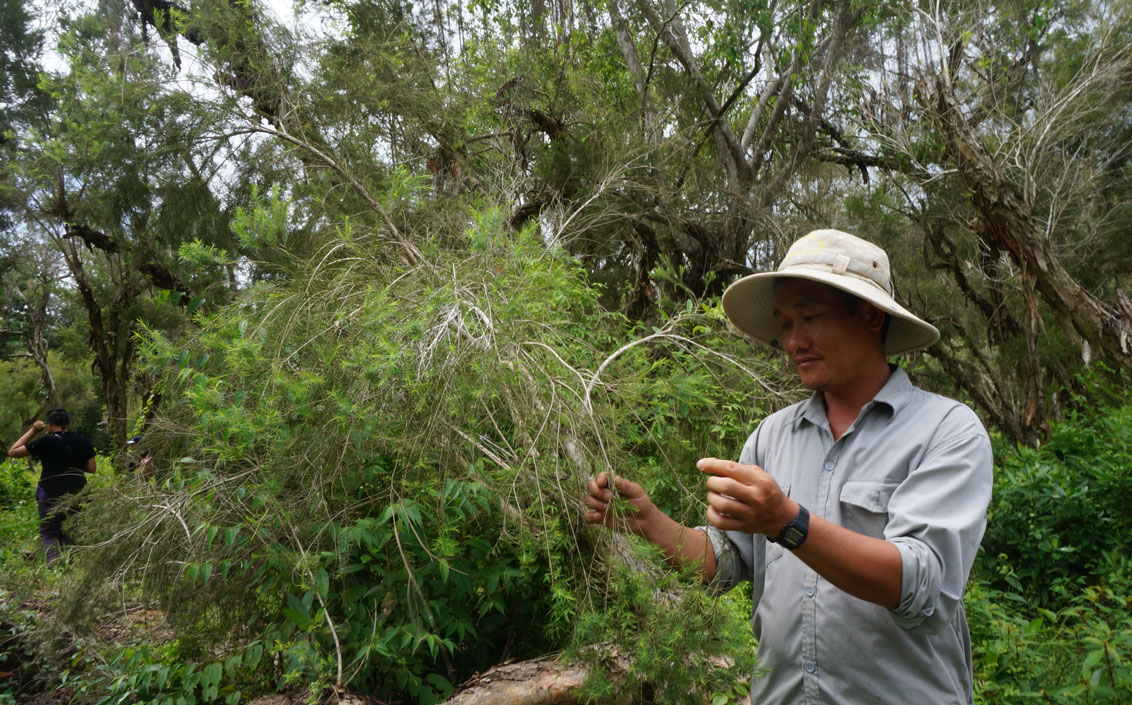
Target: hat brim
<point>749,303</point>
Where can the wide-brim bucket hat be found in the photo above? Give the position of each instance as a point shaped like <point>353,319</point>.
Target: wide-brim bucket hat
<point>842,261</point>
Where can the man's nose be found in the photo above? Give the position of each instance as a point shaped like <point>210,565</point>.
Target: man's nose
<point>795,338</point>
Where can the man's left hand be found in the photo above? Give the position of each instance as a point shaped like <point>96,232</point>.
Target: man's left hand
<point>745,498</point>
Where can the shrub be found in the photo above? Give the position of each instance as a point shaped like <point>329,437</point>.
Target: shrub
<point>1058,511</point>
<point>17,484</point>
<point>1080,653</point>
<point>376,472</point>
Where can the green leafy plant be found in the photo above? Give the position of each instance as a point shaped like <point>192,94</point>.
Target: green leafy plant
<point>376,472</point>
<point>1060,509</point>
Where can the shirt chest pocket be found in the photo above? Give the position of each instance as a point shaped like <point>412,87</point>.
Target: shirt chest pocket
<point>864,506</point>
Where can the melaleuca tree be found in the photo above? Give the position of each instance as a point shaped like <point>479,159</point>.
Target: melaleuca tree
<point>996,139</point>
<point>556,108</point>
<point>113,180</point>
<point>376,470</point>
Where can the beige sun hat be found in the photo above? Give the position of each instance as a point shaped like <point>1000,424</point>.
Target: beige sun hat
<point>842,261</point>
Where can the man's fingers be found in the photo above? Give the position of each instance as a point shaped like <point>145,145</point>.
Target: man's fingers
<point>718,466</point>
<point>727,506</point>
<point>595,502</point>
<point>598,486</point>
<point>745,474</point>
<point>628,489</point>
<point>727,486</point>
<point>721,522</point>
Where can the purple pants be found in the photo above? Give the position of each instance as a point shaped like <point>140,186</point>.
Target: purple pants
<point>51,523</point>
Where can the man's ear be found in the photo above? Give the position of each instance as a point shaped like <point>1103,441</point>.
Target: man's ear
<point>874,317</point>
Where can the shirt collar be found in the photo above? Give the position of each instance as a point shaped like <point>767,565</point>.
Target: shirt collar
<point>895,394</point>
<point>897,391</point>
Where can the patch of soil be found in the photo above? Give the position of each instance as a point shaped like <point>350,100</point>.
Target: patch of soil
<point>62,696</point>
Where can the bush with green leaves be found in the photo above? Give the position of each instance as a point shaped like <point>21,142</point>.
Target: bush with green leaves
<point>1051,594</point>
<point>17,484</point>
<point>1060,510</point>
<point>376,470</point>
<point>1080,653</point>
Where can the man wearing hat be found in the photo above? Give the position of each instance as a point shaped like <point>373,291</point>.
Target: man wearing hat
<point>855,514</point>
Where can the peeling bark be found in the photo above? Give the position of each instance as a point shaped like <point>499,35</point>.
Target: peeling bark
<point>536,682</point>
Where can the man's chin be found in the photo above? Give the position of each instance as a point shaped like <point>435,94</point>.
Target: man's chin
<point>810,380</point>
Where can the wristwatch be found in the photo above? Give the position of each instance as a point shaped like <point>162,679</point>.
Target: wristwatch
<point>795,532</point>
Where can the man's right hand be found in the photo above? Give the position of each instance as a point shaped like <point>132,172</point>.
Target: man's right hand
<point>599,499</point>
<point>639,515</point>
<point>38,426</point>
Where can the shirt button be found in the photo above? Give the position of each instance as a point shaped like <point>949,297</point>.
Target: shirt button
<point>809,591</point>
<point>828,465</point>
<point>809,666</point>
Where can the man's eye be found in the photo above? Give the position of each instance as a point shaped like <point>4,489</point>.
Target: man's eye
<point>810,318</point>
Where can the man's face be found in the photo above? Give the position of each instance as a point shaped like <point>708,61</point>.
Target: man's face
<point>829,342</point>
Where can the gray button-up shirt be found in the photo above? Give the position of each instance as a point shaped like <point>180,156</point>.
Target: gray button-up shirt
<point>913,469</point>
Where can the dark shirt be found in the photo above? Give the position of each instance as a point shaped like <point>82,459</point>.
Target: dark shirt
<point>63,455</point>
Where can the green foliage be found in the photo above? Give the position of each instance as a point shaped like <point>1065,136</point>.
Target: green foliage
<point>682,646</point>
<point>265,223</point>
<point>1060,511</point>
<point>17,648</point>
<point>376,472</point>
<point>141,674</point>
<point>17,484</point>
<point>1079,653</point>
<point>1049,600</point>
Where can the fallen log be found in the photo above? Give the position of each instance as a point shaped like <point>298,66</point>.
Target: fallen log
<point>540,681</point>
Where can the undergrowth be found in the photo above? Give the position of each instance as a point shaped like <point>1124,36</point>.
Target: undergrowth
<point>374,474</point>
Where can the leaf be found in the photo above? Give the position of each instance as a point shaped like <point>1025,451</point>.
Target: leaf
<point>253,654</point>
<point>231,664</point>
<point>211,674</point>
<point>322,582</point>
<point>297,618</point>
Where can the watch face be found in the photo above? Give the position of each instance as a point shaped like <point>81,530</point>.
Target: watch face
<point>793,537</point>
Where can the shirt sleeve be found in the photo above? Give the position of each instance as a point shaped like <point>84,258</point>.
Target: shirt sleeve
<point>937,517</point>
<point>88,451</point>
<point>33,446</point>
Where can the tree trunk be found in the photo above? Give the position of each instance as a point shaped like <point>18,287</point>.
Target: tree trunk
<point>111,341</point>
<point>1005,222</point>
<point>541,681</point>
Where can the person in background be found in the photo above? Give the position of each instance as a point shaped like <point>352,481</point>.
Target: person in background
<point>66,457</point>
